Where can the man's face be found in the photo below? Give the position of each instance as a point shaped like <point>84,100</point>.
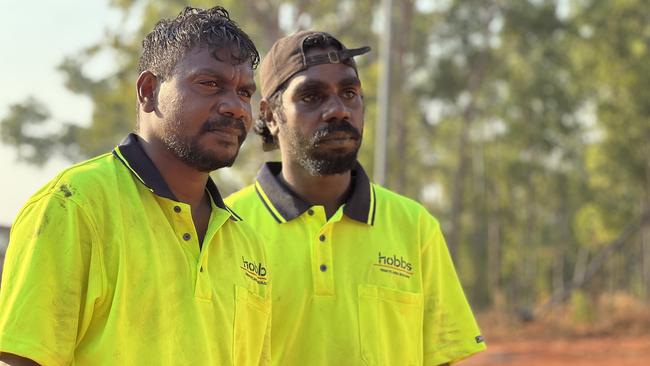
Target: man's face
<point>321,119</point>
<point>204,108</point>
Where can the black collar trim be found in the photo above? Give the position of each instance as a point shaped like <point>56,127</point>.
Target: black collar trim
<point>133,156</point>
<point>284,205</point>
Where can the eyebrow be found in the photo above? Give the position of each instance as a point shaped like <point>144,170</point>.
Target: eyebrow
<point>350,81</point>
<point>221,77</point>
<point>318,84</point>
<point>207,71</point>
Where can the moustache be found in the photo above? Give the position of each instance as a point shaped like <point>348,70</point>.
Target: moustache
<point>337,126</point>
<point>223,122</point>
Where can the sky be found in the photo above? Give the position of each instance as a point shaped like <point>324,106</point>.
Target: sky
<point>34,39</point>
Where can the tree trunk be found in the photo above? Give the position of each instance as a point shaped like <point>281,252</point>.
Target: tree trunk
<point>402,38</point>
<point>494,247</point>
<point>458,185</point>
<point>474,82</point>
<point>564,237</point>
<point>645,241</point>
<point>529,246</point>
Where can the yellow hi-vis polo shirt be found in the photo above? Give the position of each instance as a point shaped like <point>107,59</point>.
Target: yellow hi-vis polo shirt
<point>373,285</point>
<point>104,268</point>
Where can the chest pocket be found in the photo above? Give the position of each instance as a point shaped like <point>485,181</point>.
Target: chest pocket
<point>390,326</point>
<point>251,341</point>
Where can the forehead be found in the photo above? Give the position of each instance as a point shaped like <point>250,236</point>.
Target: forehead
<point>220,61</point>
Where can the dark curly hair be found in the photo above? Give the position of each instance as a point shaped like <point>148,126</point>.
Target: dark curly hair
<point>269,141</point>
<point>171,39</point>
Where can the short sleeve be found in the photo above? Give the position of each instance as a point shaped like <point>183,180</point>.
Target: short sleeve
<point>450,330</point>
<point>45,284</point>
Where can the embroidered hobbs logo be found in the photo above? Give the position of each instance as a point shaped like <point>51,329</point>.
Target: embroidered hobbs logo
<point>394,265</point>
<point>255,271</point>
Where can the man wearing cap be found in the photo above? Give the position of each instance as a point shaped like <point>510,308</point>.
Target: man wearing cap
<point>362,276</point>
<point>132,258</point>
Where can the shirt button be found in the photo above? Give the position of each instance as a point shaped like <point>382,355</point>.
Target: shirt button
<point>323,268</point>
<point>310,212</point>
<point>186,236</point>
<point>322,238</point>
<point>201,269</point>
<point>177,209</point>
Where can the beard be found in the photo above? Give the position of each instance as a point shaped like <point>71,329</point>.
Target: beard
<point>189,149</point>
<point>305,151</point>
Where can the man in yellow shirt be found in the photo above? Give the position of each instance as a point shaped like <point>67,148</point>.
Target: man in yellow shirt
<point>132,258</point>
<point>362,276</point>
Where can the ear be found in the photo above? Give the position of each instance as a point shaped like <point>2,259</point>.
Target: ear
<point>269,117</point>
<point>147,89</point>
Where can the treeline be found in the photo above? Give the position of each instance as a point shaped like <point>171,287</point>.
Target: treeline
<point>522,125</point>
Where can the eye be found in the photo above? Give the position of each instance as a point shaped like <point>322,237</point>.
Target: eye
<point>245,93</point>
<point>350,93</point>
<point>209,83</point>
<point>311,98</point>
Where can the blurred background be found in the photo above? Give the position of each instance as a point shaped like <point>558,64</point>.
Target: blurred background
<point>522,125</point>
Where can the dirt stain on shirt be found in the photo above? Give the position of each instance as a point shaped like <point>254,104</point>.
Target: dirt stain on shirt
<point>66,190</point>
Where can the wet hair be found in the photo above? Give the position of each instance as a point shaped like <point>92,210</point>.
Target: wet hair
<point>269,142</point>
<point>211,28</point>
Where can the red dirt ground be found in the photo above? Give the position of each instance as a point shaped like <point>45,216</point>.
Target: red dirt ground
<point>591,351</point>
<point>617,335</point>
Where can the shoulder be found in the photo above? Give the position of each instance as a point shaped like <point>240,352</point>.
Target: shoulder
<point>76,184</point>
<point>80,178</point>
<point>244,195</point>
<point>397,205</point>
<point>251,208</point>
<point>398,211</point>
<point>244,201</point>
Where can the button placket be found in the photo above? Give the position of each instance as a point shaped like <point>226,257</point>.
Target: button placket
<point>203,280</point>
<point>203,287</point>
<point>323,266</point>
<point>180,222</point>
<point>184,227</point>
<point>322,262</point>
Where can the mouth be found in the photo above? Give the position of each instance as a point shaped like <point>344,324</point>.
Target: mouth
<point>228,135</point>
<point>336,138</point>
<point>225,129</point>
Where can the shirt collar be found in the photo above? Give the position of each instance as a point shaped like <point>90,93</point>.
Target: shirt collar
<point>133,156</point>
<point>284,205</point>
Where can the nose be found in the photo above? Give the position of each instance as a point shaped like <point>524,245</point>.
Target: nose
<point>233,106</point>
<point>335,109</point>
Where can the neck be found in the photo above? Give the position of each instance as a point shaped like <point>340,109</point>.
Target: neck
<point>187,183</point>
<point>329,191</point>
